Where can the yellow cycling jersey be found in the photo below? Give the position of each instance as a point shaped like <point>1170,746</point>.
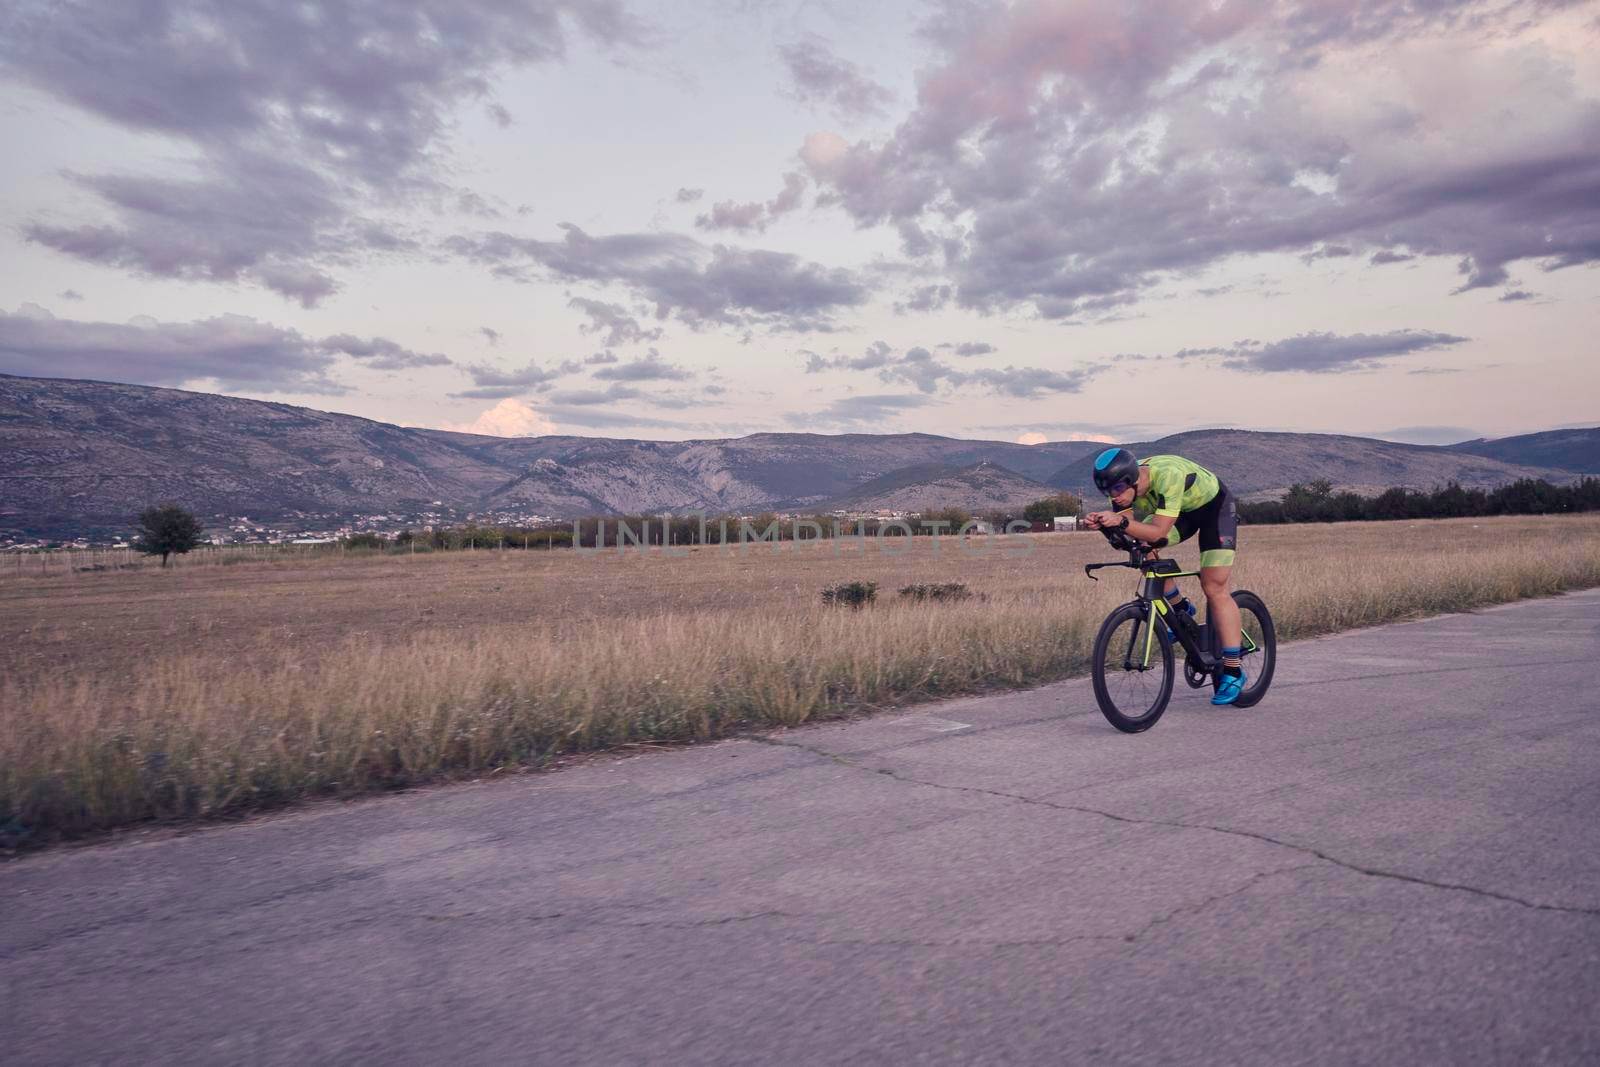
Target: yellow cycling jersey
<point>1176,485</point>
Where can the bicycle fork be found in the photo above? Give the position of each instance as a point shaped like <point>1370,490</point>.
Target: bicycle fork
<point>1139,652</point>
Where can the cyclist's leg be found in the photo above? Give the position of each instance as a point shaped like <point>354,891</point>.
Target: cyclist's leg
<point>1218,538</point>
<point>1221,612</point>
<point>1181,531</point>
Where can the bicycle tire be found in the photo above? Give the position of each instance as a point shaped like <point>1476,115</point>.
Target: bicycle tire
<point>1267,663</point>
<point>1105,679</point>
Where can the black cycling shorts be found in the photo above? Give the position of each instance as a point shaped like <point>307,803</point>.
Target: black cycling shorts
<point>1217,523</point>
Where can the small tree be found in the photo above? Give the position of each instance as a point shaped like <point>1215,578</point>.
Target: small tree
<point>165,529</point>
<point>1051,506</point>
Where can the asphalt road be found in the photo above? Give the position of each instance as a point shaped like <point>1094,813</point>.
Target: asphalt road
<point>1391,860</point>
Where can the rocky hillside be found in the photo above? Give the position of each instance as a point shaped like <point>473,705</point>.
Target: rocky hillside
<point>74,452</point>
<point>765,470</point>
<point>979,488</point>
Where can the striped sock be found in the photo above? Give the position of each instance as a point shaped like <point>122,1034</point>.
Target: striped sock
<point>1230,660</point>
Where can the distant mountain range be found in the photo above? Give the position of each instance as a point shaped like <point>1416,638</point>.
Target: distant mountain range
<point>1575,450</point>
<point>82,456</point>
<point>1256,463</point>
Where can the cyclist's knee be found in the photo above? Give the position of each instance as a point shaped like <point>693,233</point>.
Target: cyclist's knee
<point>1214,581</point>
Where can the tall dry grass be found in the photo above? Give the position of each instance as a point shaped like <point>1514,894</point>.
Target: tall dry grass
<point>194,734</point>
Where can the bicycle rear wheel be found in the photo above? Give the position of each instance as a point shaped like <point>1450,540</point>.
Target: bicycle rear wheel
<point>1259,651</point>
<point>1132,668</point>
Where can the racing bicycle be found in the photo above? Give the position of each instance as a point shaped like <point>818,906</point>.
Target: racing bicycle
<point>1133,660</point>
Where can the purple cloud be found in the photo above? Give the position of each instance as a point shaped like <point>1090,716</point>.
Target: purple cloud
<point>1328,353</point>
<point>590,397</point>
<point>494,383</point>
<point>920,368</point>
<point>614,321</point>
<point>650,367</point>
<point>820,77</point>
<point>1151,158</point>
<point>878,354</point>
<point>381,353</point>
<point>233,351</point>
<point>301,118</point>
<point>702,285</point>
<point>756,216</point>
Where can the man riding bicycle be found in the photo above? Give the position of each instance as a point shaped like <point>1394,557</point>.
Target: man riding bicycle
<point>1164,500</point>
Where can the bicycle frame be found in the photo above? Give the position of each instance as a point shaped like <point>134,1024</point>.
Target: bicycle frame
<point>1152,592</point>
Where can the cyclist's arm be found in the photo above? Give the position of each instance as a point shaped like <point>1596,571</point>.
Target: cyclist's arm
<point>1164,495</point>
<point>1152,530</point>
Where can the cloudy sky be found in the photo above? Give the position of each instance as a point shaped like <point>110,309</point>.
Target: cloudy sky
<point>1033,220</point>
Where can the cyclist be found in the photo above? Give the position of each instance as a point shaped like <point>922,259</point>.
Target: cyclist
<point>1164,500</point>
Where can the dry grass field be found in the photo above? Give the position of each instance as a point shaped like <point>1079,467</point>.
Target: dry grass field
<point>131,695</point>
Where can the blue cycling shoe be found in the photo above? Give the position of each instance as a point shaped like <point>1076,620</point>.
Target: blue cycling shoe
<point>1229,688</point>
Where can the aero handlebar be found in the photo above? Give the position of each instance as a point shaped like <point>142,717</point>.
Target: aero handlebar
<point>1137,552</point>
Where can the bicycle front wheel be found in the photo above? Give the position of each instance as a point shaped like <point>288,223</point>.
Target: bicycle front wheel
<point>1132,668</point>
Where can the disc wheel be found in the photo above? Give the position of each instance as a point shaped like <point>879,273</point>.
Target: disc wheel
<point>1132,668</point>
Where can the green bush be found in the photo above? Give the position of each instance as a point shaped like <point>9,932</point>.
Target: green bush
<point>855,594</point>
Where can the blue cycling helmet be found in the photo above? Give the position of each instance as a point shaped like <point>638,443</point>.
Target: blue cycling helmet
<point>1114,470</point>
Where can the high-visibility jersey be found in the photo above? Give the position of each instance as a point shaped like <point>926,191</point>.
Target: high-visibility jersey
<point>1176,485</point>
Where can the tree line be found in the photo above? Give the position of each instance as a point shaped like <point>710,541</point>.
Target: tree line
<point>1317,502</point>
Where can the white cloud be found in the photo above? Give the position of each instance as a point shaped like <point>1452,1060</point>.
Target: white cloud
<point>509,418</point>
<point>1032,437</point>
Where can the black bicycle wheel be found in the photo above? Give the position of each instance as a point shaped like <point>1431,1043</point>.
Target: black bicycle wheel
<point>1259,650</point>
<point>1132,668</point>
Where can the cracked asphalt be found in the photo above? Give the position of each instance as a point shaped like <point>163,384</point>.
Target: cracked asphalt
<point>1392,859</point>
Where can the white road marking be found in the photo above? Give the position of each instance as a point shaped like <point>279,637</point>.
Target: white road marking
<point>928,722</point>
